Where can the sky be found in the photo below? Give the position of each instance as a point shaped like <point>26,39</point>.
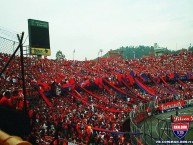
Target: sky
<point>87,26</point>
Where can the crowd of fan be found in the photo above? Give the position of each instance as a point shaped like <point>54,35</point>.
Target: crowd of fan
<point>76,115</point>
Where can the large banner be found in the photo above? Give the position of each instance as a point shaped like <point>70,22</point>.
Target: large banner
<point>171,105</point>
<point>185,118</point>
<point>144,87</point>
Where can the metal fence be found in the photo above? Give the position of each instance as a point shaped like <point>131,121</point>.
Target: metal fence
<point>12,65</point>
<point>11,75</point>
<point>154,129</point>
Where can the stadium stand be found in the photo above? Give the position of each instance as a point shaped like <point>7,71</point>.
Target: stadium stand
<point>88,101</point>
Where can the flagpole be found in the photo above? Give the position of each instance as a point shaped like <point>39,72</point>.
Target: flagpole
<point>98,63</point>
<point>73,54</point>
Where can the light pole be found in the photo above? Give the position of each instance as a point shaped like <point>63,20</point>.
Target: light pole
<point>134,54</point>
<point>98,65</point>
<point>73,54</point>
<point>101,51</point>
<point>13,45</point>
<point>98,56</point>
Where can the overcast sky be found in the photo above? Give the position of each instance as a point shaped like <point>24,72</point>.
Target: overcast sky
<point>87,26</point>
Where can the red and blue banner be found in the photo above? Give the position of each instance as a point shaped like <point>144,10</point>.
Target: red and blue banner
<point>144,88</point>
<point>144,76</point>
<point>171,105</point>
<point>45,99</point>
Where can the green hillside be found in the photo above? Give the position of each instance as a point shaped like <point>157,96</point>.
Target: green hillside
<point>130,52</point>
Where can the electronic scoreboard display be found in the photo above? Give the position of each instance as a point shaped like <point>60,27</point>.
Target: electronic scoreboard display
<point>39,40</point>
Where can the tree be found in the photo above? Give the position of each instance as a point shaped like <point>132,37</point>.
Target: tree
<point>60,55</point>
<point>190,48</point>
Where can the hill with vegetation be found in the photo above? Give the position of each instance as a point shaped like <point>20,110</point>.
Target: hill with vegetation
<point>130,52</point>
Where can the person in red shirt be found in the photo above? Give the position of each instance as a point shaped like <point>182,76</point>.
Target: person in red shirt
<point>5,100</point>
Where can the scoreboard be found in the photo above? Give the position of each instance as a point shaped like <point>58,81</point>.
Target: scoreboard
<point>39,40</point>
